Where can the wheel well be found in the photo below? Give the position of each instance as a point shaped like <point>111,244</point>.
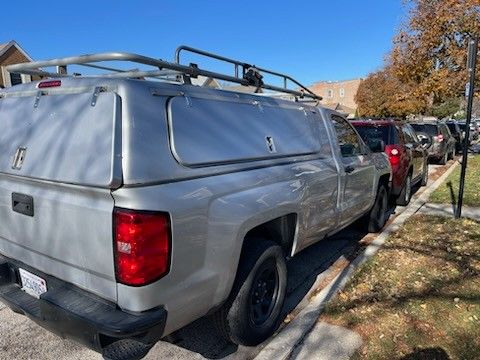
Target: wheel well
<point>280,230</point>
<point>384,180</point>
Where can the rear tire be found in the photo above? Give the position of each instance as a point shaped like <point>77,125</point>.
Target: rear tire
<point>425,175</point>
<point>378,216</point>
<point>406,193</point>
<point>444,159</point>
<point>253,311</point>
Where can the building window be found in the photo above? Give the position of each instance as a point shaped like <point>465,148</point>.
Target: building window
<point>15,79</point>
<point>329,93</point>
<point>342,92</point>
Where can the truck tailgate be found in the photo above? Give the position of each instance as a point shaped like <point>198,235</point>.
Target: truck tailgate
<point>55,194</point>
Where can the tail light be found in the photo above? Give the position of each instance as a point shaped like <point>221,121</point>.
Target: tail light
<point>142,246</point>
<point>49,84</point>
<point>394,155</point>
<point>438,138</point>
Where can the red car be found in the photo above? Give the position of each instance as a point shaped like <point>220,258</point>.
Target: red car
<point>407,154</point>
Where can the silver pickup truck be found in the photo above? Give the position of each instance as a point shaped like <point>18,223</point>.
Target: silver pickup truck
<point>131,207</point>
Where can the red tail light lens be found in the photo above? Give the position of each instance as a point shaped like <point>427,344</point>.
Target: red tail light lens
<point>394,155</point>
<point>142,246</point>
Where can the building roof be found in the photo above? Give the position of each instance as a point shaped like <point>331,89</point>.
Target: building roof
<point>205,81</point>
<point>2,46</point>
<point>339,107</point>
<point>6,46</point>
<point>335,82</point>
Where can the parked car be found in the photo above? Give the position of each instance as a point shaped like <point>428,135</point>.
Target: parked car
<point>457,133</point>
<point>131,208</point>
<point>408,157</point>
<point>443,143</point>
<point>462,125</point>
<point>475,130</point>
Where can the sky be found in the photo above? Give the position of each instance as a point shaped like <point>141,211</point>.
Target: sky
<point>309,40</point>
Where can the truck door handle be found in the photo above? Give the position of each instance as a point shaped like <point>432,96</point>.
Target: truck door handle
<point>349,169</point>
<point>22,204</point>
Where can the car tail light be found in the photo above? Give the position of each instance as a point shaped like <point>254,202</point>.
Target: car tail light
<point>394,155</point>
<point>142,246</point>
<point>438,138</point>
<point>49,84</point>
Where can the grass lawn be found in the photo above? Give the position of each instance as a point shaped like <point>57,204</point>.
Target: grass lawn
<point>447,193</point>
<point>419,297</point>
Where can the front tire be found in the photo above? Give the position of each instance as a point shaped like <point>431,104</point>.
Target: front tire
<point>253,311</point>
<point>444,159</point>
<point>451,155</point>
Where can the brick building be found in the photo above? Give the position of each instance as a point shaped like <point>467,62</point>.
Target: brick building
<point>338,95</point>
<point>12,53</point>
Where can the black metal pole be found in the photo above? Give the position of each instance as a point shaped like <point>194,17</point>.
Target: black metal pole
<point>472,64</point>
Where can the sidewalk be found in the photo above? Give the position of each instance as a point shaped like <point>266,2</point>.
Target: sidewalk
<point>304,338</point>
<point>449,210</point>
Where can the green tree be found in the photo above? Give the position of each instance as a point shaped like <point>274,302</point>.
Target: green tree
<point>446,109</point>
<point>382,94</point>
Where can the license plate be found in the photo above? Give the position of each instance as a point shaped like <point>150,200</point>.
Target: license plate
<point>32,284</point>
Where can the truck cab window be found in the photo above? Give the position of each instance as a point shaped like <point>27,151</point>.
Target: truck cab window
<point>409,136</point>
<point>347,137</point>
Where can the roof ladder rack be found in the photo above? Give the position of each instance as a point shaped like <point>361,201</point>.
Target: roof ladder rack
<point>250,75</point>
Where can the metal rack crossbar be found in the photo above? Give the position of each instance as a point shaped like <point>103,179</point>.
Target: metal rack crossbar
<point>251,75</point>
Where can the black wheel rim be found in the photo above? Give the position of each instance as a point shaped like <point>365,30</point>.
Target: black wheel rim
<point>264,293</point>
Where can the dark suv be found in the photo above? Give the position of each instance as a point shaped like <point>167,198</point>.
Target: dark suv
<point>443,143</point>
<point>407,155</point>
<point>456,132</point>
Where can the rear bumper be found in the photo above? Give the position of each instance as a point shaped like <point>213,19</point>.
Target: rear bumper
<point>73,313</point>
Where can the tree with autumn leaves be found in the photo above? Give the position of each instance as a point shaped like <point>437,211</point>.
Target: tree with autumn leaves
<point>425,72</point>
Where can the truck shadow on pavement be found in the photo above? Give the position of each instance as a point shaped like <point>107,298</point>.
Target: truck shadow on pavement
<point>201,337</point>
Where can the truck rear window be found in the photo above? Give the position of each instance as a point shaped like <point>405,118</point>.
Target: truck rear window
<point>429,129</point>
<point>452,127</point>
<point>381,132</point>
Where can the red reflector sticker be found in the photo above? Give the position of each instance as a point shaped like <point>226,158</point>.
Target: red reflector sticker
<point>48,84</point>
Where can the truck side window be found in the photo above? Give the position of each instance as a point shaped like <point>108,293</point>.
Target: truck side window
<point>347,137</point>
<point>409,139</point>
<point>412,133</point>
<point>445,130</point>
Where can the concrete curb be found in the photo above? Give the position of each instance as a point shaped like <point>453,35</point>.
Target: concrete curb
<point>285,342</point>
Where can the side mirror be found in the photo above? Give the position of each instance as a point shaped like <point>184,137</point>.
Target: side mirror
<point>425,140</point>
<point>376,145</point>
